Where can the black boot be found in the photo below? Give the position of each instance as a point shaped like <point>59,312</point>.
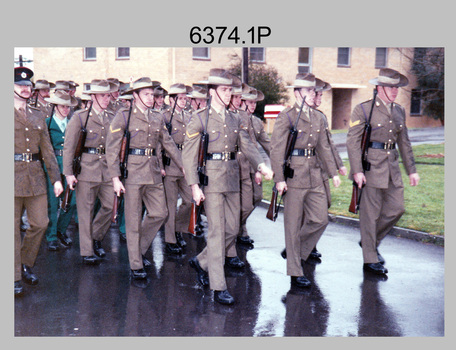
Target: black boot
<point>99,251</point>
<point>223,297</point>
<point>28,276</point>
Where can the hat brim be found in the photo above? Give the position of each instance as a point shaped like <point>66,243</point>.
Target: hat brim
<point>71,103</point>
<point>403,81</point>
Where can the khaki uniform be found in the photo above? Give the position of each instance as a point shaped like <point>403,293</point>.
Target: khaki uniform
<point>144,181</point>
<point>93,181</point>
<point>251,192</point>
<point>305,202</point>
<point>382,200</point>
<point>30,184</point>
<point>222,202</point>
<point>175,182</point>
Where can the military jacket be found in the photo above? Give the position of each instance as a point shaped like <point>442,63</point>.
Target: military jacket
<point>93,166</point>
<point>31,136</point>
<point>148,131</point>
<point>57,138</point>
<point>386,128</point>
<point>46,108</point>
<point>311,135</point>
<point>225,135</point>
<point>178,130</point>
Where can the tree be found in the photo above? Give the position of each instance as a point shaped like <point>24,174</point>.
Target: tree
<point>428,65</point>
<point>264,78</point>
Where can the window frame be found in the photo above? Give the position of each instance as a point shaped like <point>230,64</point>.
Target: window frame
<point>263,50</point>
<point>344,65</point>
<point>416,95</point>
<point>118,57</point>
<point>86,58</point>
<point>307,65</point>
<point>203,58</point>
<point>385,64</point>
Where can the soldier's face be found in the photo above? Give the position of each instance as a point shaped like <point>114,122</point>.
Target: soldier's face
<point>63,110</point>
<point>44,93</point>
<point>146,97</point>
<point>25,91</point>
<point>388,93</point>
<point>181,100</point>
<point>318,96</point>
<point>251,105</point>
<point>308,93</point>
<point>159,100</point>
<point>102,100</point>
<point>222,95</point>
<point>115,95</point>
<point>236,101</point>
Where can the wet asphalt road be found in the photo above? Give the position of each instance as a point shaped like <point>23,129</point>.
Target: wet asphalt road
<point>72,299</point>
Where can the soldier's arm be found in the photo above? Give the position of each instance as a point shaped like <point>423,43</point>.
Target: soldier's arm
<point>354,137</point>
<point>191,149</point>
<point>278,144</point>
<point>113,144</point>
<point>69,145</point>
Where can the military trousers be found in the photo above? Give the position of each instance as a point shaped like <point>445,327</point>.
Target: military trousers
<point>379,210</point>
<point>90,227</point>
<point>222,212</point>
<point>251,196</point>
<point>178,216</point>
<point>141,230</point>
<point>305,218</point>
<point>26,249</point>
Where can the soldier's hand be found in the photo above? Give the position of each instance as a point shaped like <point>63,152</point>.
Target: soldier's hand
<point>336,181</point>
<point>414,179</point>
<point>58,188</point>
<point>258,178</point>
<point>197,194</point>
<point>118,186</point>
<point>360,179</point>
<point>281,187</point>
<point>265,171</point>
<point>71,181</point>
<point>163,172</point>
<point>343,171</point>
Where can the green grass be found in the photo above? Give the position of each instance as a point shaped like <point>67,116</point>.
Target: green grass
<point>424,204</point>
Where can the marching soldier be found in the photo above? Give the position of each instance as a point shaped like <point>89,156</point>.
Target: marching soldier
<point>221,195</point>
<point>42,91</point>
<point>174,180</point>
<point>57,124</point>
<point>382,200</point>
<point>198,97</point>
<point>31,145</point>
<point>159,99</point>
<point>93,181</point>
<point>144,180</point>
<point>305,201</point>
<point>115,104</point>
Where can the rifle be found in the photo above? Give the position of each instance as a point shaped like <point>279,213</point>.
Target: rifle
<point>288,172</point>
<point>203,179</point>
<point>169,126</point>
<point>357,192</point>
<point>123,159</point>
<point>76,162</point>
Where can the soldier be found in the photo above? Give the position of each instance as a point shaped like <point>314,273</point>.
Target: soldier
<point>159,99</point>
<point>42,91</point>
<point>93,182</point>
<point>31,145</point>
<point>115,104</point>
<point>198,97</point>
<point>251,187</point>
<point>305,202</point>
<point>174,180</point>
<point>221,195</point>
<point>382,200</point>
<point>57,124</point>
<point>144,179</point>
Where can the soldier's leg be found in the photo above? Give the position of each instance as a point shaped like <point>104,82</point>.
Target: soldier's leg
<point>53,204</point>
<point>293,203</point>
<point>246,204</point>
<point>65,218</point>
<point>36,207</point>
<point>369,214</point>
<point>392,210</point>
<point>133,219</point>
<point>102,220</point>
<point>316,219</point>
<point>232,217</point>
<point>171,191</point>
<point>18,209</point>
<point>185,208</point>
<point>85,202</point>
<point>157,212</point>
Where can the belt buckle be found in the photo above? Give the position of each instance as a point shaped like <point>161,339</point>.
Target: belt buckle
<point>99,150</point>
<point>148,151</point>
<point>26,157</point>
<point>217,156</point>
<point>225,156</point>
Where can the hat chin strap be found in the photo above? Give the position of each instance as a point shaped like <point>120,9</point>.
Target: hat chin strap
<point>20,96</point>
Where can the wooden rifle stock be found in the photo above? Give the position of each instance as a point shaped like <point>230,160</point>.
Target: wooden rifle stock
<point>116,207</point>
<point>273,209</point>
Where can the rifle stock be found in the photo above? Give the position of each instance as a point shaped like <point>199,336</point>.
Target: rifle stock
<point>116,207</point>
<point>273,209</point>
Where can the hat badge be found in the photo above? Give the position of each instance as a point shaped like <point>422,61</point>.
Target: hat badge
<point>24,75</point>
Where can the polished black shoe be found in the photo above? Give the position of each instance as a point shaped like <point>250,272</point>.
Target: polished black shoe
<point>139,274</point>
<point>64,239</point>
<point>173,248</point>
<point>53,246</point>
<point>28,276</point>
<point>180,240</point>
<point>146,262</point>
<point>203,277</point>
<point>315,254</point>
<point>234,262</point>
<point>376,268</point>
<point>300,281</point>
<point>284,253</point>
<point>18,288</point>
<point>90,260</point>
<point>381,260</point>
<point>223,297</point>
<point>123,236</point>
<point>244,240</point>
<point>97,248</point>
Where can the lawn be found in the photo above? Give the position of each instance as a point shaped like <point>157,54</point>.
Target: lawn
<point>424,204</point>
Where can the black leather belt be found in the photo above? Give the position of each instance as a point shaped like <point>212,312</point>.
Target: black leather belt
<point>221,156</point>
<point>306,152</point>
<point>179,146</point>
<point>26,157</point>
<point>380,145</point>
<point>94,150</point>
<point>58,152</point>
<point>142,151</point>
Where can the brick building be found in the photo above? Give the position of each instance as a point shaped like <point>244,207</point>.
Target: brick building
<point>348,70</point>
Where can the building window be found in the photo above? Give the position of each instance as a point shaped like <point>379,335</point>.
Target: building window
<point>343,57</point>
<point>381,53</point>
<point>123,53</point>
<point>415,103</point>
<point>256,54</point>
<point>201,53</point>
<point>90,53</point>
<point>304,60</point>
